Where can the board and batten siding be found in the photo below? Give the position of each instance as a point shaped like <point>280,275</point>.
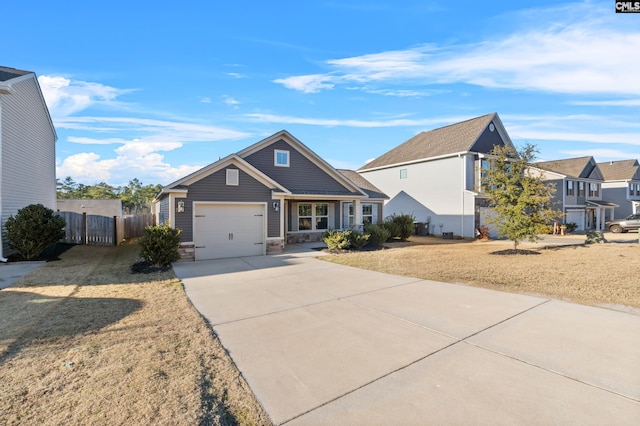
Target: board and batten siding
<point>301,175</point>
<point>28,150</point>
<point>214,188</point>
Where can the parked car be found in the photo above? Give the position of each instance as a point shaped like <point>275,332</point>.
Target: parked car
<point>624,225</point>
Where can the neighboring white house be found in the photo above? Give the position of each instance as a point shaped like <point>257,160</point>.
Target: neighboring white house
<point>622,186</point>
<point>27,146</point>
<point>579,195</point>
<point>436,176</point>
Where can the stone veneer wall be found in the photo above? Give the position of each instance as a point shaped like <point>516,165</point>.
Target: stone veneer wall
<point>304,237</point>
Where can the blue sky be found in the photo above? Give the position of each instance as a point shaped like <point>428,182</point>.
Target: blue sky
<point>155,90</point>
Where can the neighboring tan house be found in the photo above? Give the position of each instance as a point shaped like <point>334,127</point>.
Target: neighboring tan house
<point>436,176</point>
<point>94,207</point>
<point>27,147</point>
<point>622,186</point>
<point>579,195</point>
<point>256,201</point>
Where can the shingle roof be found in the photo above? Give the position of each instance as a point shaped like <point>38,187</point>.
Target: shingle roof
<point>7,73</point>
<point>620,170</point>
<point>363,184</point>
<point>571,167</point>
<point>454,138</point>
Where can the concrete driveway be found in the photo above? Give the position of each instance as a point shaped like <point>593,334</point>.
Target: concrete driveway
<point>321,343</point>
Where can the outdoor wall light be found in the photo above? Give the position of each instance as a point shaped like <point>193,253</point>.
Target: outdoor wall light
<point>276,206</point>
<point>180,207</point>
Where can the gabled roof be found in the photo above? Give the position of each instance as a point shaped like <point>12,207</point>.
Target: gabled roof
<point>620,170</point>
<point>370,189</point>
<point>181,185</point>
<point>350,187</point>
<point>581,167</point>
<point>452,139</point>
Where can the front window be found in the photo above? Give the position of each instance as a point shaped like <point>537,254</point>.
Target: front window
<point>313,217</point>
<point>594,190</point>
<point>580,189</point>
<point>369,214</point>
<point>570,187</point>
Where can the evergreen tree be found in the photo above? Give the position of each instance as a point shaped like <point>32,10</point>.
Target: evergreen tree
<point>520,198</point>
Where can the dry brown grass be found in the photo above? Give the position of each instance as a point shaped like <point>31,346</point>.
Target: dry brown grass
<point>83,341</point>
<point>590,274</point>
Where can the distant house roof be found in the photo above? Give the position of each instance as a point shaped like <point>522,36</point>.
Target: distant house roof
<point>7,73</point>
<point>371,190</point>
<point>620,170</point>
<point>455,138</point>
<point>581,167</point>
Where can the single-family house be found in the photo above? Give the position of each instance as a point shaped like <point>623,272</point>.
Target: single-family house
<point>27,147</point>
<point>436,176</point>
<point>272,193</point>
<point>578,183</point>
<point>622,186</point>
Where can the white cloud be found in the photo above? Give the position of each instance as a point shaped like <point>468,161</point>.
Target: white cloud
<point>231,101</point>
<point>65,97</point>
<point>587,54</point>
<point>396,122</point>
<point>601,154</point>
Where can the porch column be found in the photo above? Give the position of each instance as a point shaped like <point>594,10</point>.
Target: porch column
<point>357,215</point>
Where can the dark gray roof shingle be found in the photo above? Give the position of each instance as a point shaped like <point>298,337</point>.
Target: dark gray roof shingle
<point>363,184</point>
<point>7,73</point>
<point>459,137</point>
<point>571,167</point>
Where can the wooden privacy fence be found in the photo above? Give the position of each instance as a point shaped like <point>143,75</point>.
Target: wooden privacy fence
<point>82,228</point>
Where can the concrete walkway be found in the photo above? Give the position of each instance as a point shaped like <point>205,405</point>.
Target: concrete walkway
<point>321,343</point>
<point>10,273</point>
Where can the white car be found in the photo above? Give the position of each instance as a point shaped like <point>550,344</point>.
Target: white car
<point>624,225</point>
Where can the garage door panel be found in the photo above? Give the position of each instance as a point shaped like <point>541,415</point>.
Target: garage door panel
<point>223,231</point>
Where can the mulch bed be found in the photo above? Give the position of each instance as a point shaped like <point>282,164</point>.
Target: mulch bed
<point>143,267</point>
<point>512,252</point>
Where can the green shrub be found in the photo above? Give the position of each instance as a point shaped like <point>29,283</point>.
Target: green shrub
<point>357,240</point>
<point>400,226</point>
<point>378,234</point>
<point>33,229</point>
<point>159,245</point>
<point>571,226</point>
<point>337,240</point>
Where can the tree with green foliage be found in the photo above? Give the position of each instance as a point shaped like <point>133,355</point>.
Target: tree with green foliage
<point>520,198</point>
<point>33,229</point>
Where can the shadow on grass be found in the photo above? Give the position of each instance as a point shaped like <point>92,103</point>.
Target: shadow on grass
<point>55,317</point>
<point>514,252</point>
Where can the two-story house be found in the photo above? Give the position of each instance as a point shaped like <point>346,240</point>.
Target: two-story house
<point>27,147</point>
<point>578,183</point>
<point>436,176</point>
<point>622,186</point>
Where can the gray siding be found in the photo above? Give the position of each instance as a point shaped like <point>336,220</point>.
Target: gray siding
<point>28,150</point>
<point>619,196</point>
<point>486,141</point>
<point>214,188</point>
<point>302,176</point>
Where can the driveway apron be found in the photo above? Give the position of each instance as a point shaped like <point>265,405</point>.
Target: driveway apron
<point>321,343</point>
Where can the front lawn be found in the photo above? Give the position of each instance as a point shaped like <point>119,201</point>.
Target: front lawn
<point>85,341</point>
<point>597,274</point>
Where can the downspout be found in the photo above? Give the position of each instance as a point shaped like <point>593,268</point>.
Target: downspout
<point>2,258</point>
<point>464,187</point>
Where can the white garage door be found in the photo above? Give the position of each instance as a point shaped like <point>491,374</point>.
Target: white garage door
<point>229,230</point>
<point>577,217</point>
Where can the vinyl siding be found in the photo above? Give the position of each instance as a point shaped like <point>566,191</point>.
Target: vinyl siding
<point>432,190</point>
<point>302,175</point>
<point>487,141</point>
<point>214,188</point>
<point>618,193</point>
<point>28,150</point>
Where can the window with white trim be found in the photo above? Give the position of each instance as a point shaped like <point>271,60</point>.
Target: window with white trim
<point>280,158</point>
<point>313,216</point>
<point>580,189</point>
<point>403,173</point>
<point>594,189</point>
<point>369,214</point>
